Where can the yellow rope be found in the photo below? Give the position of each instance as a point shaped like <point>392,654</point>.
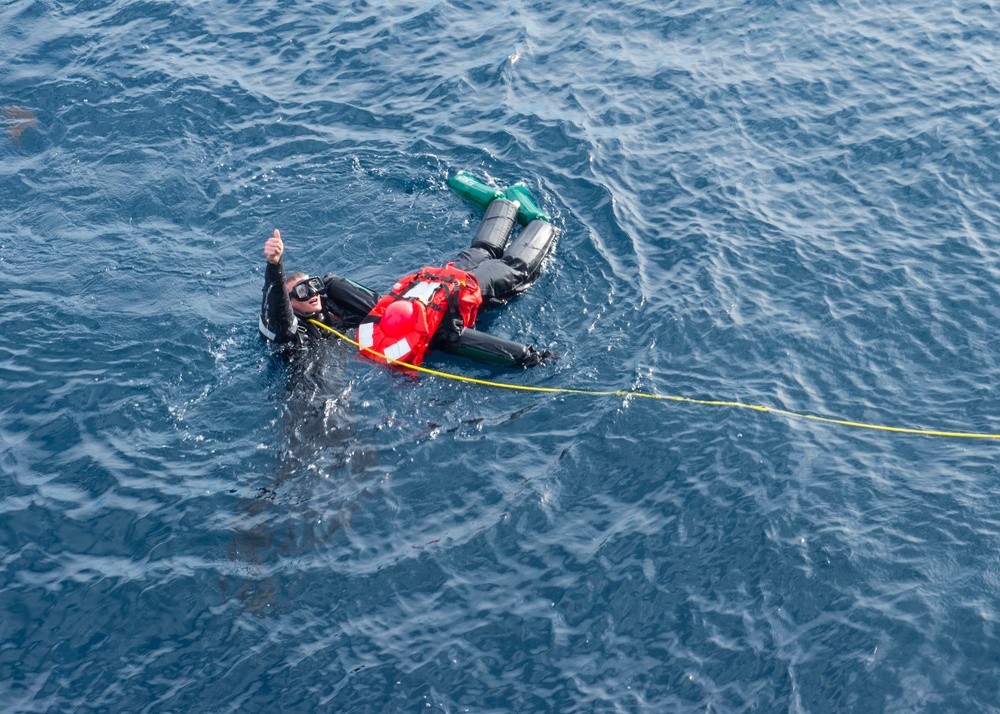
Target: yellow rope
<point>666,397</point>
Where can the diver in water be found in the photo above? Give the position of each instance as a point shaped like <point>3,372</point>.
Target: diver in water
<point>434,308</point>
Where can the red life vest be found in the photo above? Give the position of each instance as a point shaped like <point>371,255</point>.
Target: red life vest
<point>401,325</point>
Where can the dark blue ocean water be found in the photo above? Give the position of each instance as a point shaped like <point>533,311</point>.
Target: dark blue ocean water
<point>784,204</point>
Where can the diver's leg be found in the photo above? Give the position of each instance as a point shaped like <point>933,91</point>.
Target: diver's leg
<point>503,278</point>
<point>491,236</point>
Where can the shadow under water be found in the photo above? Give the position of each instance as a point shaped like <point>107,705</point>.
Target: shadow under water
<point>326,470</point>
<point>18,120</point>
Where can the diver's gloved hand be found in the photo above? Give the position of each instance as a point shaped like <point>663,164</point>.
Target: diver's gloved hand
<point>539,358</point>
<point>450,332</point>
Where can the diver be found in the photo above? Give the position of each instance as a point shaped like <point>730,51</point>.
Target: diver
<point>434,308</point>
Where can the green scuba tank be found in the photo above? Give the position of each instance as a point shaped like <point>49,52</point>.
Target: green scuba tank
<point>528,210</point>
<point>464,184</point>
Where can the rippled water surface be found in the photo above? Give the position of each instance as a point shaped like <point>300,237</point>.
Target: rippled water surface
<point>782,204</point>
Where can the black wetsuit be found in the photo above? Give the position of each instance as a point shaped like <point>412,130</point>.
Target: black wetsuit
<point>344,303</point>
<point>502,274</point>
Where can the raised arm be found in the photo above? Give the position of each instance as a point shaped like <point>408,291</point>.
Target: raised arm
<point>277,321</point>
<point>273,248</point>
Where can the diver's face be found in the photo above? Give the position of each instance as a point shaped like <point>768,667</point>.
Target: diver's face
<point>311,305</point>
<point>304,295</point>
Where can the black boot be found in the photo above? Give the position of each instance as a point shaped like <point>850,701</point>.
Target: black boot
<point>529,249</point>
<point>495,228</point>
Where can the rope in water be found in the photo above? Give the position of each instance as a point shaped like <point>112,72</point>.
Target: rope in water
<point>664,397</point>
